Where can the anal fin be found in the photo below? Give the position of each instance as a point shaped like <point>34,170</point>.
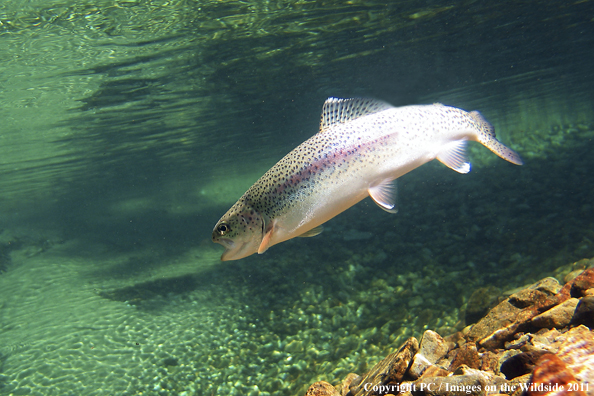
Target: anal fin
<point>384,195</point>
<point>454,157</point>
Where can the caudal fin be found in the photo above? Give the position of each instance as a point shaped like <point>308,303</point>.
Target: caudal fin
<point>487,137</point>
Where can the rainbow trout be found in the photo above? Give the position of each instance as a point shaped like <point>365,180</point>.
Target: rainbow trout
<point>362,147</point>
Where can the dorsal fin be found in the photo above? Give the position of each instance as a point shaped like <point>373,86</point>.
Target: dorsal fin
<point>337,111</point>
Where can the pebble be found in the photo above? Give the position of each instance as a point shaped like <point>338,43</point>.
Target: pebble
<point>479,303</point>
<point>558,316</point>
<point>321,388</point>
<point>584,312</point>
<point>577,352</point>
<point>415,302</point>
<point>550,373</point>
<point>510,316</point>
<point>499,354</point>
<point>345,386</point>
<point>548,285</point>
<point>572,275</point>
<point>390,370</point>
<point>432,348</point>
<point>466,355</point>
<point>578,286</point>
<point>463,381</point>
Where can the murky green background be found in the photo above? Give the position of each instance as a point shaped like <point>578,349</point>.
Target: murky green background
<point>127,128</point>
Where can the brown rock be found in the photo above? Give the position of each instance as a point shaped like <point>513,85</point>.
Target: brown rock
<point>572,275</point>
<point>520,341</point>
<point>543,339</point>
<point>582,282</point>
<point>584,312</point>
<point>577,287</point>
<point>500,316</point>
<point>513,314</point>
<point>479,303</point>
<point>577,352</point>
<point>489,362</point>
<point>527,298</point>
<point>550,286</point>
<point>321,388</point>
<point>521,364</point>
<point>559,316</point>
<point>456,338</point>
<point>551,373</point>
<point>518,384</point>
<point>344,387</point>
<point>464,381</point>
<point>432,348</point>
<point>435,371</point>
<point>390,370</point>
<point>467,355</point>
<point>569,337</point>
<point>498,337</point>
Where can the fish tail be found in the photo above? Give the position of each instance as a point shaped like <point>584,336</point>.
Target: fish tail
<point>486,136</point>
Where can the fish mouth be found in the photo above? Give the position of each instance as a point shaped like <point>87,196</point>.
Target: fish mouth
<point>226,242</point>
<point>233,250</point>
<point>229,245</point>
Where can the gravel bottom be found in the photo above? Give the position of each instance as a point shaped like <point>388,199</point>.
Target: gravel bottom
<point>78,318</point>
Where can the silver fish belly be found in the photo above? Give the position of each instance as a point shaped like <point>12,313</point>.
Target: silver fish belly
<point>363,145</point>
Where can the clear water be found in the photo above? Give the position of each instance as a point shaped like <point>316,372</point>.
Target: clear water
<point>127,128</point>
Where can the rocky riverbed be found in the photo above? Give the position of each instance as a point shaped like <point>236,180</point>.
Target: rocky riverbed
<point>537,341</point>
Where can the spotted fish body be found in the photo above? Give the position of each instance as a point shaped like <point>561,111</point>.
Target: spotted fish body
<point>363,145</point>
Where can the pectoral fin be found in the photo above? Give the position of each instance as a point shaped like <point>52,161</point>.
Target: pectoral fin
<point>454,156</point>
<point>313,232</point>
<point>265,244</point>
<point>384,195</point>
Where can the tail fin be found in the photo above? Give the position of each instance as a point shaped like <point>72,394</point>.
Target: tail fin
<point>487,137</point>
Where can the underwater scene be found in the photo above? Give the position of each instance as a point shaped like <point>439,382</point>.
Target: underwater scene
<point>129,127</point>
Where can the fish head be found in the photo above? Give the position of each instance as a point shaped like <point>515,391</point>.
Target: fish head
<point>240,231</point>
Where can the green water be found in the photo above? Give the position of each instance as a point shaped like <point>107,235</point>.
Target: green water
<point>127,128</point>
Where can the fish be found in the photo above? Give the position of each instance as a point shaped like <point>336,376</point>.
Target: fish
<point>362,147</point>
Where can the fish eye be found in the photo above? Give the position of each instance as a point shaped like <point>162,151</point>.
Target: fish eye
<point>223,228</point>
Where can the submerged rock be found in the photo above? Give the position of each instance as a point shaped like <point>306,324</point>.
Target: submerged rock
<point>558,316</point>
<point>539,341</point>
<point>479,303</point>
<point>552,377</point>
<point>390,370</point>
<point>521,364</point>
<point>578,286</point>
<point>432,348</point>
<point>512,315</point>
<point>577,352</point>
<point>463,381</point>
<point>321,388</point>
<point>584,312</point>
<point>345,386</point>
<point>466,355</point>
